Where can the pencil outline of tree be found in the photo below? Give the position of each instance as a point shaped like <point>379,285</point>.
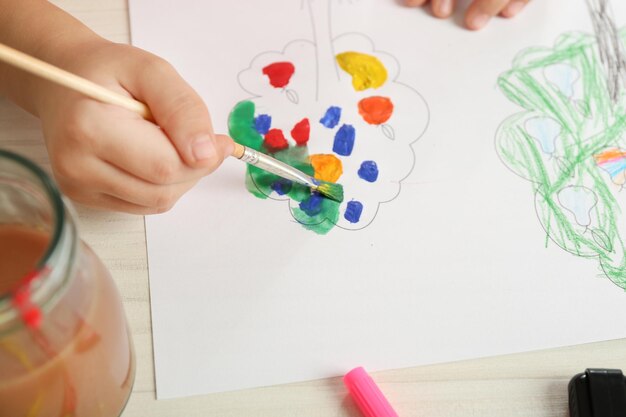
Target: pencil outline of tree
<point>394,79</point>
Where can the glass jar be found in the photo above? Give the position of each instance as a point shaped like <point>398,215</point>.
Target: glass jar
<point>65,349</point>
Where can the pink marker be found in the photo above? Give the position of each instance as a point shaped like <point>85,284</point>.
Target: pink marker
<point>366,394</point>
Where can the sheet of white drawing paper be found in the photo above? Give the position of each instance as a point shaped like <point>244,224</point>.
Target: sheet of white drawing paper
<point>450,258</point>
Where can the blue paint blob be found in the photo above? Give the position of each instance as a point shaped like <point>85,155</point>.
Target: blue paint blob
<point>368,171</point>
<point>313,205</point>
<point>263,123</point>
<point>332,116</point>
<point>353,211</point>
<point>281,186</point>
<point>344,140</point>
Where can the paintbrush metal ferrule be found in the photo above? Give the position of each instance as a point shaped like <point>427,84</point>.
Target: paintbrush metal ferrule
<point>277,167</point>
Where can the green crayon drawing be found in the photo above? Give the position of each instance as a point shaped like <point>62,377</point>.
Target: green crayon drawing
<point>570,139</point>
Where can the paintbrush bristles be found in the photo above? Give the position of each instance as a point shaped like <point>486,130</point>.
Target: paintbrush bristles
<point>330,190</point>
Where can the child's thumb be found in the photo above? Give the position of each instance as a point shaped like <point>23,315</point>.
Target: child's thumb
<point>184,117</point>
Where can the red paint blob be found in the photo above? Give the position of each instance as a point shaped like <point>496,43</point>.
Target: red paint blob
<point>275,140</point>
<point>375,110</point>
<point>32,317</point>
<point>279,73</point>
<point>301,131</point>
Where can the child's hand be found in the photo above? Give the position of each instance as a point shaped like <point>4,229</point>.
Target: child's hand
<point>103,155</point>
<point>109,157</point>
<point>478,13</point>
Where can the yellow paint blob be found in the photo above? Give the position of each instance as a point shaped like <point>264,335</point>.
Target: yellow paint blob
<point>366,70</point>
<point>327,167</point>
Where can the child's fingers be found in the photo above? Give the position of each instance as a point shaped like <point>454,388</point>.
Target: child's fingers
<point>443,8</point>
<point>100,178</point>
<point>481,11</point>
<point>513,8</point>
<point>109,180</point>
<point>180,111</point>
<point>142,149</point>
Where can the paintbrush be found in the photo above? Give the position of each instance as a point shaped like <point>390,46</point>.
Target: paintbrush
<point>97,92</point>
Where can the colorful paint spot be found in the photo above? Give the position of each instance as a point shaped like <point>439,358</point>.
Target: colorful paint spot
<point>368,171</point>
<point>241,125</point>
<point>301,131</point>
<point>262,184</point>
<point>331,117</point>
<point>327,167</point>
<point>366,70</point>
<point>263,123</point>
<point>282,186</point>
<point>344,140</point>
<point>353,211</point>
<point>613,161</point>
<point>275,140</point>
<point>312,205</point>
<point>279,73</point>
<point>375,110</point>
<point>322,222</point>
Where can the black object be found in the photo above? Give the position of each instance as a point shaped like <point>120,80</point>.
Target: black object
<point>598,393</point>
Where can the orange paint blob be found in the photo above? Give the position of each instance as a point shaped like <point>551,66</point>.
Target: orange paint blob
<point>327,167</point>
<point>375,110</point>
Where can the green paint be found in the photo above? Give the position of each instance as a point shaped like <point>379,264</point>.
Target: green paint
<point>241,125</point>
<point>322,222</point>
<point>259,182</point>
<point>590,124</point>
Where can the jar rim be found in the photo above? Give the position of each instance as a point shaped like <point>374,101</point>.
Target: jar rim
<point>56,202</point>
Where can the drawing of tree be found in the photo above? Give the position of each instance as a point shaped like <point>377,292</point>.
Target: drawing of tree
<point>333,108</point>
<point>570,139</point>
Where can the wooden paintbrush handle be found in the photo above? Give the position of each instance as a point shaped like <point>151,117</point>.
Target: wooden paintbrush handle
<point>238,151</point>
<point>73,82</point>
<point>90,89</point>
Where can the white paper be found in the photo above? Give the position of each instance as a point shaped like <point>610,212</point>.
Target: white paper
<point>453,263</point>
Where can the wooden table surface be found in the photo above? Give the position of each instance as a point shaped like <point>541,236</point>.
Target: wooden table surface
<point>530,384</point>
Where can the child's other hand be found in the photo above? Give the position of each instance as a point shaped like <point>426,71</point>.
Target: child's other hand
<point>109,157</point>
<point>478,13</point>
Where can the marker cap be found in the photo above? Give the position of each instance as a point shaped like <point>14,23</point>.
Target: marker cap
<point>366,394</point>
